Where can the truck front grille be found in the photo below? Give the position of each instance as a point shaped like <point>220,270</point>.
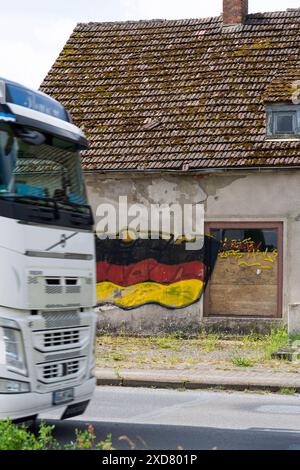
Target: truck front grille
<point>62,344</point>
<point>73,289</point>
<point>72,367</point>
<point>62,319</point>
<point>53,289</point>
<point>52,292</point>
<point>61,338</point>
<point>58,371</point>
<point>51,371</point>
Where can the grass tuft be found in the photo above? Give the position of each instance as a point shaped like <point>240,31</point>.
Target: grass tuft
<point>210,342</point>
<point>240,361</point>
<point>117,357</point>
<point>287,391</point>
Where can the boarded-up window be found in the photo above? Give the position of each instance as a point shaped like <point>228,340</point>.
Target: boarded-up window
<point>246,280</point>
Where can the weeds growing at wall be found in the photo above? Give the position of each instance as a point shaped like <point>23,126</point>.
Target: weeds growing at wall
<point>274,341</point>
<point>176,351</point>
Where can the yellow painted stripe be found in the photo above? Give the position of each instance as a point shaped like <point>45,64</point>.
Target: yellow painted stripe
<point>176,295</point>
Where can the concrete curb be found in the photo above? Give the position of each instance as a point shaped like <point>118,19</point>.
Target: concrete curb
<point>128,380</point>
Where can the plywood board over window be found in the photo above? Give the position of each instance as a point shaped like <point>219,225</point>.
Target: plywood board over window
<point>247,278</point>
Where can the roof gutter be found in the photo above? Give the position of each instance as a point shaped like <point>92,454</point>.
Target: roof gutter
<point>196,171</point>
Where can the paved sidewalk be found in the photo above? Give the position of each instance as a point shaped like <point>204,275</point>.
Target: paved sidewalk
<point>203,377</point>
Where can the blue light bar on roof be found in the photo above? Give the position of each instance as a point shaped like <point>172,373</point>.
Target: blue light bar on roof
<point>29,99</point>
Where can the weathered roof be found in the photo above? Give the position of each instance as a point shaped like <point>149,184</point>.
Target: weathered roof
<point>179,95</point>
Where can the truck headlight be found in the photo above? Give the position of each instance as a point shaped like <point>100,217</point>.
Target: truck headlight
<point>13,349</point>
<point>13,386</point>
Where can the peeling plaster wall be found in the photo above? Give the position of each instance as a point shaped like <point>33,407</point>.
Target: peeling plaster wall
<point>256,196</point>
<point>145,190</point>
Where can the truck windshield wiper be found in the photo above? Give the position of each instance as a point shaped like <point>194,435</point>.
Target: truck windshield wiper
<point>72,205</point>
<point>55,204</point>
<point>38,200</point>
<point>78,211</point>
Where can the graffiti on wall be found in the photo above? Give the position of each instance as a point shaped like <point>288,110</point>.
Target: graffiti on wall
<point>132,273</point>
<point>248,253</point>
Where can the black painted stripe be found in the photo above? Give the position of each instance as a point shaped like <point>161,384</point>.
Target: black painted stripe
<point>119,252</point>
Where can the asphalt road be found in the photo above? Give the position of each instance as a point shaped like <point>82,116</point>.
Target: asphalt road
<point>168,419</point>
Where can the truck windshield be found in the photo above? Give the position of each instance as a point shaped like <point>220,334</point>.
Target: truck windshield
<point>48,169</point>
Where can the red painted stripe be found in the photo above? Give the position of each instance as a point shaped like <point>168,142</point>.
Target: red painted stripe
<point>149,270</point>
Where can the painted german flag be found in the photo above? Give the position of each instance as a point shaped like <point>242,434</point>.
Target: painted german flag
<point>143,271</point>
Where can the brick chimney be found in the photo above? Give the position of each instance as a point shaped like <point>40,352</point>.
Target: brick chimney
<point>234,12</point>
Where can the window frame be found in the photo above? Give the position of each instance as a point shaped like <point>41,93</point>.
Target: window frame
<point>208,226</point>
<point>273,112</point>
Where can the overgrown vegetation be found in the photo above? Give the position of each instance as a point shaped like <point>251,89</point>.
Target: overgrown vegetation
<point>177,351</point>
<point>287,391</point>
<point>19,437</point>
<point>242,361</point>
<point>274,341</point>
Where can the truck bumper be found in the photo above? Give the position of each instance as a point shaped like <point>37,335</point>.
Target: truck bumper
<point>22,405</point>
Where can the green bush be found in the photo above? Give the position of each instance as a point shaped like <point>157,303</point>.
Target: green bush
<point>19,437</point>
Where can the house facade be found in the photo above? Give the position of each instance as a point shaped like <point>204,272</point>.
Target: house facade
<point>201,112</point>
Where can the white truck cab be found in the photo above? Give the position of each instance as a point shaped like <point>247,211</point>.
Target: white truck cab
<point>47,269</point>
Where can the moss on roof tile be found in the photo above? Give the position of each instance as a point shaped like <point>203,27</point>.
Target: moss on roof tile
<point>208,88</point>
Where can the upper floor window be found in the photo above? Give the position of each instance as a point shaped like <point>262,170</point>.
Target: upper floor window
<point>283,121</point>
